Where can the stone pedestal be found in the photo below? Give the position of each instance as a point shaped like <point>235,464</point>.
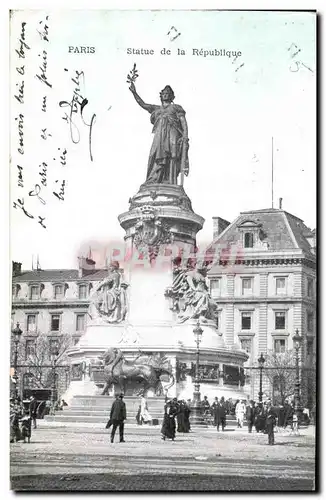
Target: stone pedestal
<point>159,226</point>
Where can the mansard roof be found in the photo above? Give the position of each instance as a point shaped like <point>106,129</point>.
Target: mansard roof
<point>59,275</point>
<point>280,230</point>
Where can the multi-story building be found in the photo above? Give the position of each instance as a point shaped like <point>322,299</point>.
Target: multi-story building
<point>263,279</point>
<point>54,304</point>
<point>264,282</point>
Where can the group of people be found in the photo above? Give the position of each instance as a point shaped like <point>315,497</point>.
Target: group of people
<point>175,409</point>
<point>262,416</point>
<point>22,415</point>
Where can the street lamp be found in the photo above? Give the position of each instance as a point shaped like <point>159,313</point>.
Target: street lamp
<point>297,340</point>
<point>17,332</point>
<point>54,356</point>
<point>198,332</point>
<point>261,361</point>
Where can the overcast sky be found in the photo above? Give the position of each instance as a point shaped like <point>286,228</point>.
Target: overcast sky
<point>233,109</point>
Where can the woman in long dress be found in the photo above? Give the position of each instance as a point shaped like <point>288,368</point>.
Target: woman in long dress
<point>145,416</point>
<point>169,152</point>
<point>168,426</point>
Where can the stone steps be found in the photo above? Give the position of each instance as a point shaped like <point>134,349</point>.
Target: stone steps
<point>96,409</point>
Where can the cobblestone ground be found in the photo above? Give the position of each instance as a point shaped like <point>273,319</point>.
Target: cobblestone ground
<point>67,458</point>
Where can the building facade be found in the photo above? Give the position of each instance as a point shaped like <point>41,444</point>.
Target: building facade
<point>51,306</point>
<point>263,278</point>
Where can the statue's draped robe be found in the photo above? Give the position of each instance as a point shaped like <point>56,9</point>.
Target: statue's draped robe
<point>167,143</point>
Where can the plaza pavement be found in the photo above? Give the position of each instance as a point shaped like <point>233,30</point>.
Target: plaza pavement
<point>70,457</point>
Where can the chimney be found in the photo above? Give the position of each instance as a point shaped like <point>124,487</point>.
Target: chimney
<point>86,266</point>
<point>16,268</point>
<point>219,225</point>
<point>280,203</point>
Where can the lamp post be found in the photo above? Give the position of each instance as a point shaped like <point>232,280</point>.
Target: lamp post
<point>54,356</point>
<point>261,361</point>
<point>297,340</point>
<point>17,332</point>
<point>196,409</point>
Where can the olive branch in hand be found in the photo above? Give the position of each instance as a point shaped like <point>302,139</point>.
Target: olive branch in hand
<point>133,75</point>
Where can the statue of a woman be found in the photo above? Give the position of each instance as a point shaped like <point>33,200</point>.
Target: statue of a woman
<point>110,298</point>
<point>168,156</point>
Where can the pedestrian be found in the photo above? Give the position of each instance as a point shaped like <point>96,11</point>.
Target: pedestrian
<point>250,415</point>
<point>221,415</point>
<point>281,416</point>
<point>288,414</point>
<point>145,417</point>
<point>168,426</point>
<point>118,415</point>
<point>187,411</point>
<point>15,415</point>
<point>33,410</point>
<point>26,426</point>
<point>270,423</point>
<point>205,406</point>
<point>214,409</point>
<point>240,410</point>
<point>260,418</point>
<point>181,417</point>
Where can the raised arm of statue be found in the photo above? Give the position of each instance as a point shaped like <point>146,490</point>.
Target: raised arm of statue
<point>138,99</point>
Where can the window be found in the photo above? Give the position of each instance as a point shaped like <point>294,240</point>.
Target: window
<point>248,240</point>
<point>246,321</point>
<point>310,322</point>
<point>279,346</point>
<point>80,322</point>
<point>58,291</point>
<point>31,322</point>
<point>310,287</point>
<point>246,286</point>
<point>15,290</point>
<point>310,347</point>
<point>29,348</point>
<point>280,321</point>
<point>280,286</point>
<point>215,288</point>
<point>246,345</point>
<point>55,322</point>
<point>34,292</point>
<point>82,292</point>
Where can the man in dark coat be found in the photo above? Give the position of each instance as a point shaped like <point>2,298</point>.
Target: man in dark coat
<point>33,410</point>
<point>288,414</point>
<point>250,415</point>
<point>221,414</point>
<point>214,409</point>
<point>270,423</point>
<point>117,417</point>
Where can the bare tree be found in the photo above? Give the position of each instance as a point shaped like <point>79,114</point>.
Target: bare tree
<point>37,363</point>
<point>280,371</point>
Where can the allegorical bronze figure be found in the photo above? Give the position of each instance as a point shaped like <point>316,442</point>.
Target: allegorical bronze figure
<point>168,156</point>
